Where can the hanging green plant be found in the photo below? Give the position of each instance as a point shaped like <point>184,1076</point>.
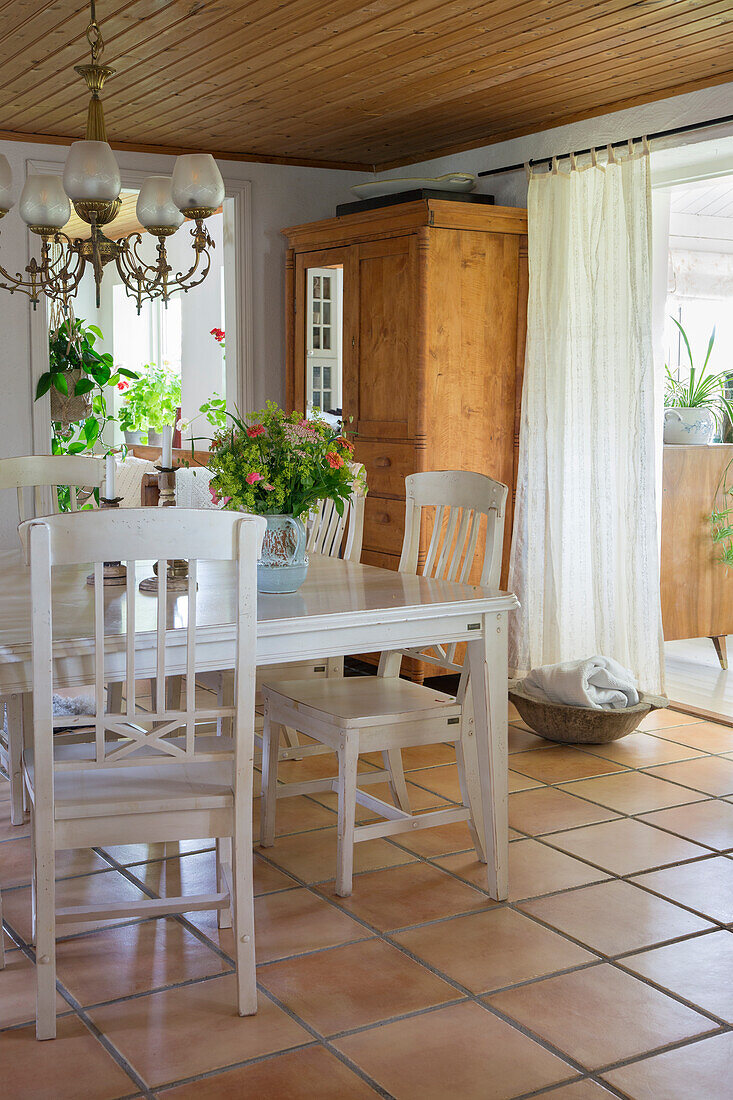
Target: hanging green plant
<point>79,379</point>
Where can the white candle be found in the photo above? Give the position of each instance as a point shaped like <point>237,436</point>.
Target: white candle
<point>109,481</point>
<point>166,459</point>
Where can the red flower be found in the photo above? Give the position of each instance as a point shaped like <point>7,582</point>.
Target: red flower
<point>268,488</point>
<point>253,477</point>
<point>344,442</point>
<point>123,385</point>
<point>255,430</point>
<point>218,334</point>
<point>334,461</point>
<point>216,499</point>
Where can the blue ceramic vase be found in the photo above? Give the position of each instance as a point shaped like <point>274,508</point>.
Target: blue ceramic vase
<point>283,563</point>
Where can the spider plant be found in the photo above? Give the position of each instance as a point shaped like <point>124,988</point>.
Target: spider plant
<point>701,390</point>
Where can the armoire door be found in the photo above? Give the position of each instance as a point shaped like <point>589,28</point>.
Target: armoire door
<point>380,311</point>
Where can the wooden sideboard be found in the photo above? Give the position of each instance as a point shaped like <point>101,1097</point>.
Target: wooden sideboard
<point>696,588</point>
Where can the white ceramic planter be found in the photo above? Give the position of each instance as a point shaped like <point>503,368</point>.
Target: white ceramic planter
<point>134,439</point>
<point>688,426</point>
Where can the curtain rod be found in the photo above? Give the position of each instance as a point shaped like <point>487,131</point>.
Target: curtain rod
<point>614,145</point>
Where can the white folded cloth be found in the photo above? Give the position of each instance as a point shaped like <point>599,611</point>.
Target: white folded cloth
<point>192,487</point>
<point>129,479</point>
<point>597,682</point>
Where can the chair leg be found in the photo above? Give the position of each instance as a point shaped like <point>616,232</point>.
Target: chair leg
<point>45,934</point>
<point>244,920</point>
<point>174,692</point>
<point>34,885</point>
<point>223,855</point>
<point>114,698</point>
<point>14,711</point>
<point>268,804</point>
<point>469,783</point>
<point>291,739</point>
<point>398,786</point>
<point>348,758</point>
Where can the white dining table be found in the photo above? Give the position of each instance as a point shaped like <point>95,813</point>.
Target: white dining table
<point>342,609</point>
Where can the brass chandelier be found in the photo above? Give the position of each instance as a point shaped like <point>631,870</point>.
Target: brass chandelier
<point>91,180</point>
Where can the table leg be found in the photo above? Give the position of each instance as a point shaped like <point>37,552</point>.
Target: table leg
<point>488,665</point>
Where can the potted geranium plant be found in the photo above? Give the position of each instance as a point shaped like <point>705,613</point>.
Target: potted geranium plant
<point>696,406</point>
<point>149,402</point>
<point>279,466</point>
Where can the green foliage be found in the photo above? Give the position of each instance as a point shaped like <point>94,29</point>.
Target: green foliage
<point>215,411</point>
<point>274,463</point>
<point>701,390</point>
<point>150,401</point>
<point>721,517</point>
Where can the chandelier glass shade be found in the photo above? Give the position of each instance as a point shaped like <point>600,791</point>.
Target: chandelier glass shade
<point>92,184</point>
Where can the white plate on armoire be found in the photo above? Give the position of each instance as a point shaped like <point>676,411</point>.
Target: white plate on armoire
<point>453,181</point>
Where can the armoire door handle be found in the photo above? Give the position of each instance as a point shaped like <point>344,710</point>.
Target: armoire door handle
<point>382,517</point>
<point>383,461</point>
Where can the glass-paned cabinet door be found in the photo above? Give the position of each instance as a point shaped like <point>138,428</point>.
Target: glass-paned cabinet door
<point>323,339</point>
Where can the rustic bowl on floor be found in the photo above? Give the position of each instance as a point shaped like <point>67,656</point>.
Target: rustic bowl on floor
<point>580,725</point>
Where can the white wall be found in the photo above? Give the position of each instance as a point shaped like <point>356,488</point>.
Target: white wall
<point>281,196</point>
<point>511,189</point>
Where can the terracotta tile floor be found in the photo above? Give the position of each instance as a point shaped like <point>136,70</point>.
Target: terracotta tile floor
<point>606,974</point>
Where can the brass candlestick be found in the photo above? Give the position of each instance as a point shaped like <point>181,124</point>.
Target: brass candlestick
<point>177,571</point>
<point>115,573</point>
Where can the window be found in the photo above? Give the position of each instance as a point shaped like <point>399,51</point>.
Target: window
<point>323,337</point>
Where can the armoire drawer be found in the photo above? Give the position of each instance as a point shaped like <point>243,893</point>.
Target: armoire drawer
<point>384,524</point>
<point>387,465</point>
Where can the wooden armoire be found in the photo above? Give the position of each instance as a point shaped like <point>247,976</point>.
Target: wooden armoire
<point>434,317</point>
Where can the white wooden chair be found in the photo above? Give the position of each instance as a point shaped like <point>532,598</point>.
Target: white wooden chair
<point>38,477</point>
<point>44,474</point>
<point>386,713</point>
<point>161,775</point>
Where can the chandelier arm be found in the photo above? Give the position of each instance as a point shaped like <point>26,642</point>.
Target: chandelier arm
<point>203,246</point>
<point>56,278</point>
<point>142,281</point>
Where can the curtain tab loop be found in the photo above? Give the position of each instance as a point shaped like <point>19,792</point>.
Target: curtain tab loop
<point>528,169</point>
<point>611,157</point>
<point>630,146</point>
<point>573,163</point>
<point>594,157</point>
<point>645,145</point>
<point>554,168</point>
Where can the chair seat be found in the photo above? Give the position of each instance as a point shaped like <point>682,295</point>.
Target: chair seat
<point>140,788</point>
<point>361,702</point>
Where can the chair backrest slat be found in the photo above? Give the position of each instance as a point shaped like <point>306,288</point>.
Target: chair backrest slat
<point>99,661</point>
<point>326,529</point>
<point>191,659</point>
<point>130,681</point>
<point>161,624</point>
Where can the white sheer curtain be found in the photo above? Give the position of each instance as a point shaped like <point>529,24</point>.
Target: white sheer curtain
<point>585,559</point>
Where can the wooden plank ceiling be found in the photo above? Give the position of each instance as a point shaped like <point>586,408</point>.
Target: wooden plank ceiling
<point>343,83</point>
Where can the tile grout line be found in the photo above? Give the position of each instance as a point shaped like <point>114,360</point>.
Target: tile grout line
<point>78,1011</point>
<point>219,951</point>
<point>417,858</point>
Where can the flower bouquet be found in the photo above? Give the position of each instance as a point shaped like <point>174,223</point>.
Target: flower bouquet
<point>281,466</point>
